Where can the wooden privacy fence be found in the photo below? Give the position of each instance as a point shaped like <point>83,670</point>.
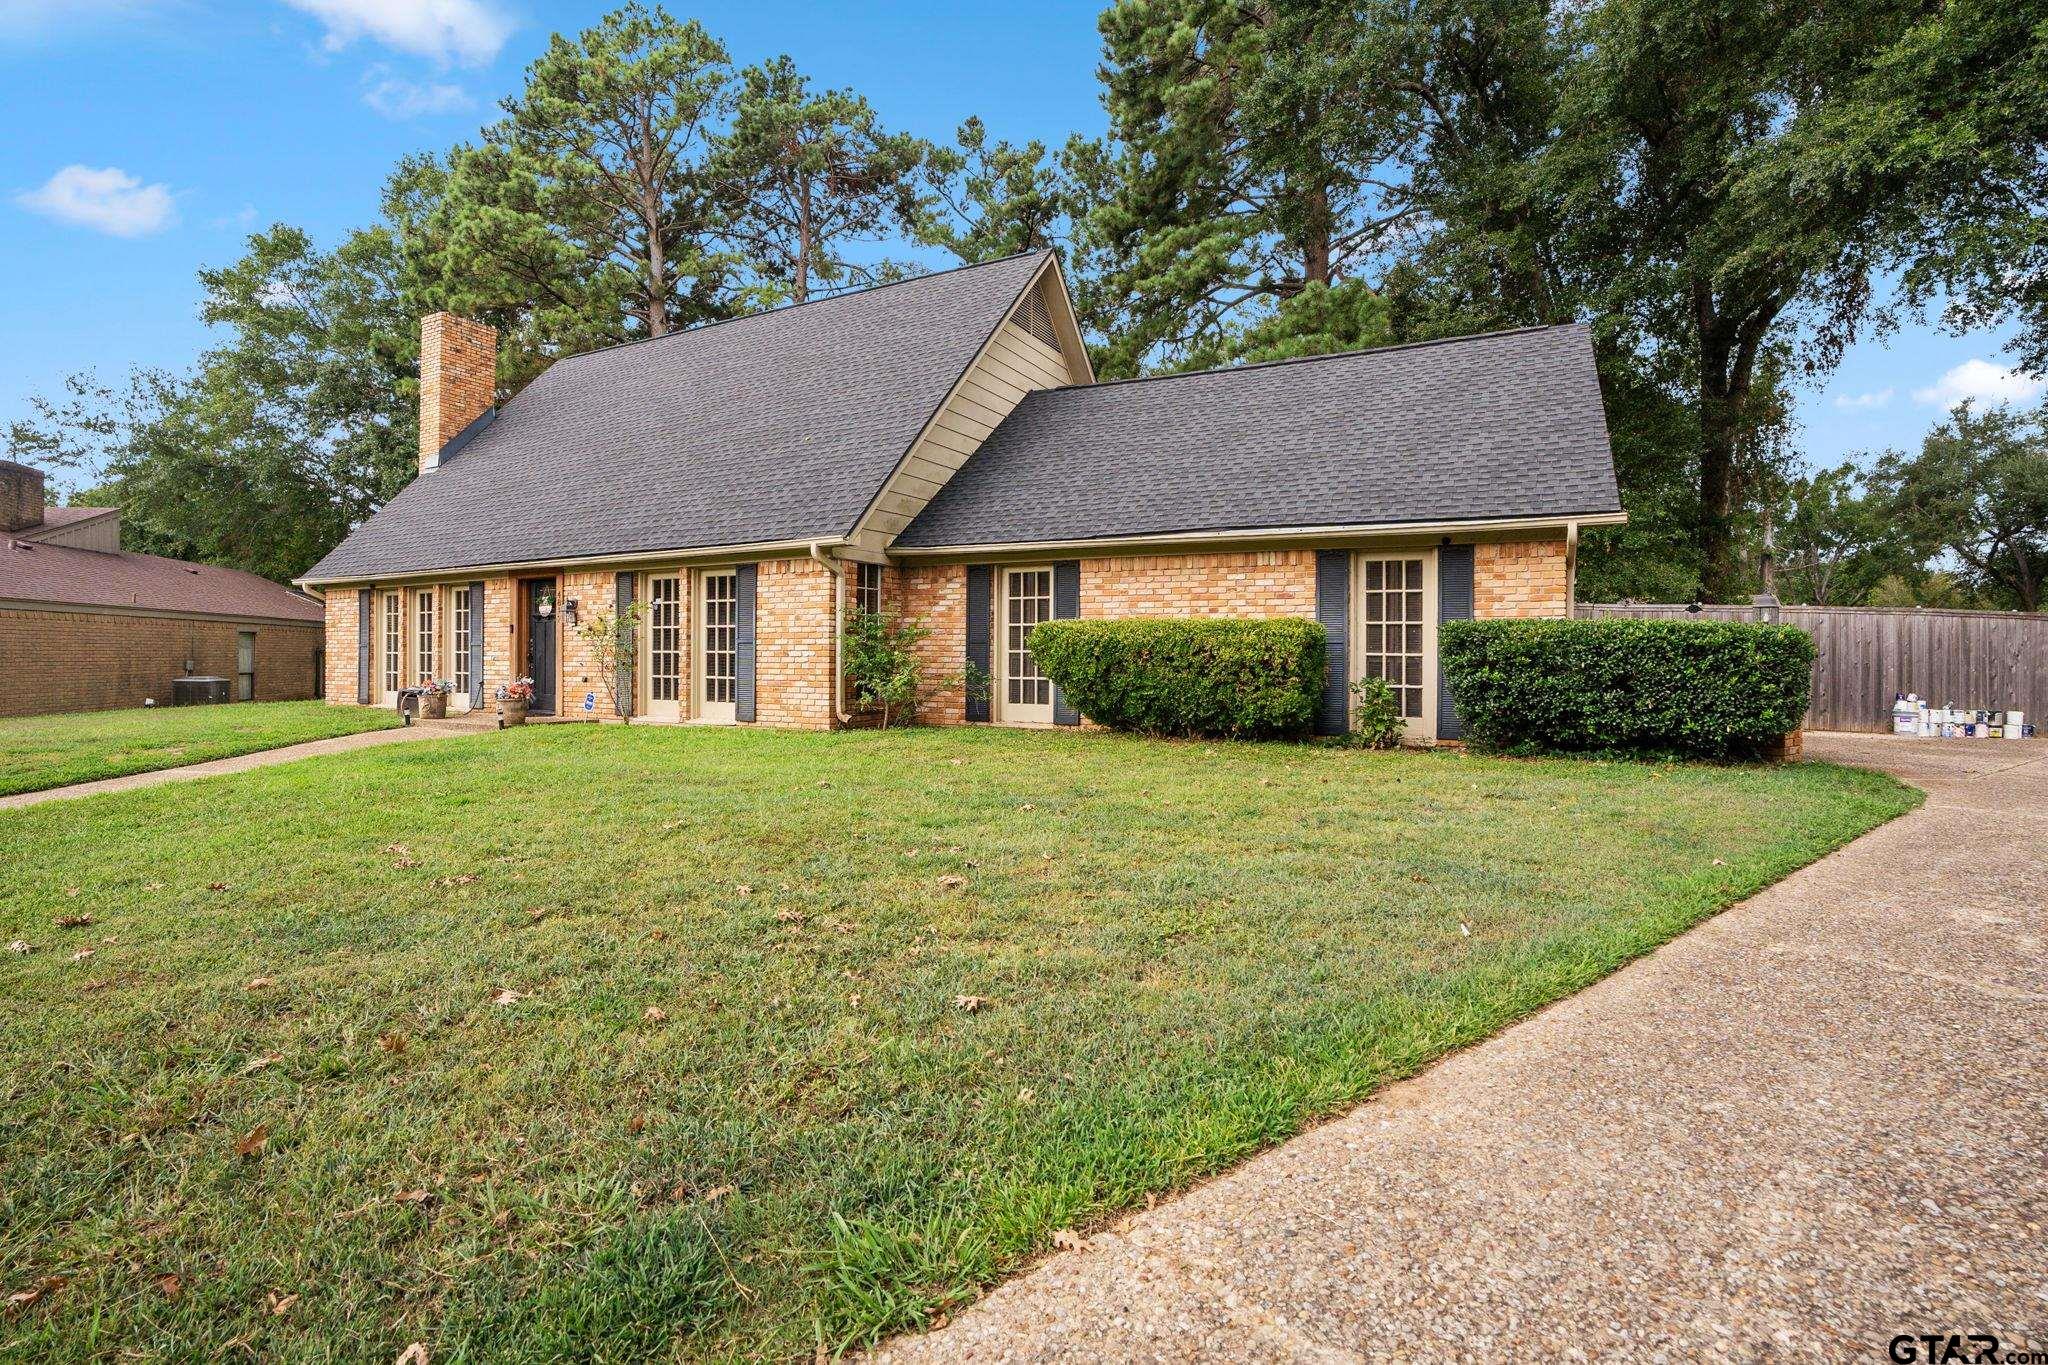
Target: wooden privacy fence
<point>1979,660</point>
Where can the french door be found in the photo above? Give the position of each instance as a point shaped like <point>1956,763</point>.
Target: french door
<point>718,646</point>
<point>1025,691</point>
<point>1394,630</point>
<point>391,648</point>
<point>665,647</point>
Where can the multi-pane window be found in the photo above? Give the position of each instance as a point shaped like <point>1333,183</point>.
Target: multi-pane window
<point>393,640</point>
<point>664,638</point>
<point>721,637</point>
<point>460,643</point>
<point>867,589</point>
<point>1030,601</point>
<point>426,620</point>
<point>1391,599</point>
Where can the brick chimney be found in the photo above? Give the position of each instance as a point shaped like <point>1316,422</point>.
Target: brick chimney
<point>458,380</point>
<point>21,497</point>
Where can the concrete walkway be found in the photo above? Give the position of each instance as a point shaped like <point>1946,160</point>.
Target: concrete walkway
<point>1816,1121</point>
<point>263,758</point>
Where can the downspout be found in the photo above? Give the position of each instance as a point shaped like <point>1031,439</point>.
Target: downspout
<point>1571,570</point>
<point>838,573</point>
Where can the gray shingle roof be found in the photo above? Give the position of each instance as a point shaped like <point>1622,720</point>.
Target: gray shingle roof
<point>779,426</point>
<point>1508,424</point>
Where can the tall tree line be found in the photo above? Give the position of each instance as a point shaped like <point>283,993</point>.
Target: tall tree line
<point>1717,186</point>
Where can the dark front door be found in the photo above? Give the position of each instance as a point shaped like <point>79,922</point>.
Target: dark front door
<point>540,642</point>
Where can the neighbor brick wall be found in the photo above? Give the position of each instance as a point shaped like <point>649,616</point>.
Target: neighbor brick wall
<point>94,661</point>
<point>1520,578</point>
<point>793,667</point>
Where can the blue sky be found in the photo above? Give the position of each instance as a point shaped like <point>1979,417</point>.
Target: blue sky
<point>149,136</point>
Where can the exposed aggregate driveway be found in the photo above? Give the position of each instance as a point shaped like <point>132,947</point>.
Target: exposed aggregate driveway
<point>1814,1122</point>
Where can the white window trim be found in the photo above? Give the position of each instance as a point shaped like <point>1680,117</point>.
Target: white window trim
<point>703,710</point>
<point>1001,710</point>
<point>1417,729</point>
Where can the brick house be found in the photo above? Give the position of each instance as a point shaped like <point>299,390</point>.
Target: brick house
<point>86,625</point>
<point>940,447</point>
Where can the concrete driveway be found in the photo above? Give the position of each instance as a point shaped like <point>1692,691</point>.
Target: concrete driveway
<point>1817,1121</point>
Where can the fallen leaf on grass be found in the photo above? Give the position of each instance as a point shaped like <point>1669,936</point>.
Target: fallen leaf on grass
<point>459,879</point>
<point>1720,862</point>
<point>170,1286</point>
<point>21,946</point>
<point>655,1014</point>
<point>952,881</point>
<point>790,917</point>
<point>744,889</point>
<point>1026,1095</point>
<point>256,1064</point>
<point>413,1197</point>
<point>261,983</point>
<point>254,1140</point>
<point>400,849</point>
<point>1066,1239</point>
<point>637,1124</point>
<point>216,886</point>
<point>415,1354</point>
<point>506,997</point>
<point>973,1004</point>
<point>74,921</point>
<point>279,1304</point>
<point>717,1192</point>
<point>82,955</point>
<point>1465,929</point>
<point>27,1298</point>
<point>391,1042</point>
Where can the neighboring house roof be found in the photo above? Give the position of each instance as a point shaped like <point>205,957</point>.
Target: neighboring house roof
<point>70,516</point>
<point>767,429</point>
<point>61,575</point>
<point>1503,426</point>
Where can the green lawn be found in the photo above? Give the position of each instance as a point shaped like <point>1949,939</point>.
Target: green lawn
<point>422,990</point>
<point>54,751</point>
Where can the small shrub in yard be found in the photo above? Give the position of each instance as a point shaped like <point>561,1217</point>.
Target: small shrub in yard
<point>1704,689</point>
<point>1227,679</point>
<point>1376,721</point>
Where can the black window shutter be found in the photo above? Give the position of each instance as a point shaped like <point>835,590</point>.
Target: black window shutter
<point>626,690</point>
<point>744,577</point>
<point>1066,606</point>
<point>476,644</point>
<point>1454,603</point>
<point>981,592</point>
<point>366,624</point>
<point>1333,610</point>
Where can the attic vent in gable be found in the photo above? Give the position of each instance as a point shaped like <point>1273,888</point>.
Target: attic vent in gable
<point>1034,317</point>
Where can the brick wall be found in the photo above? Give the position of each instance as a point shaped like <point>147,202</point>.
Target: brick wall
<point>343,613</point>
<point>94,661</point>
<point>935,596</point>
<point>1520,578</point>
<point>1252,583</point>
<point>793,667</point>
<point>594,594</point>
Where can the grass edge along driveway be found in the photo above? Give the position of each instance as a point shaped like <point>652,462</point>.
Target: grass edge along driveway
<point>615,1042</point>
<point>40,752</point>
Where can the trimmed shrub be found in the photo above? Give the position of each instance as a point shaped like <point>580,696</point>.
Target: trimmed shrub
<point>1703,689</point>
<point>1220,678</point>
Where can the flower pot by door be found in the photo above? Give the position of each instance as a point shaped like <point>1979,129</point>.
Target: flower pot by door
<point>434,706</point>
<point>511,711</point>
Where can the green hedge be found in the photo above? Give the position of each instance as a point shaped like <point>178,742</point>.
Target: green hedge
<point>1708,689</point>
<point>1228,679</point>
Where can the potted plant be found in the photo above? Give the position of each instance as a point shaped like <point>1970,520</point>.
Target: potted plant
<point>434,699</point>
<point>513,699</point>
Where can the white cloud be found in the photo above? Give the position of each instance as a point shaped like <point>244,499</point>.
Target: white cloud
<point>468,31</point>
<point>1850,402</point>
<point>1979,381</point>
<point>110,200</point>
<point>398,98</point>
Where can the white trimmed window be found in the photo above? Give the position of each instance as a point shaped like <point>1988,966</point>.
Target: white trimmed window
<point>867,589</point>
<point>393,640</point>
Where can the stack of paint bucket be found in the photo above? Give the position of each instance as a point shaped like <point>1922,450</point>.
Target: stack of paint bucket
<point>1912,716</point>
